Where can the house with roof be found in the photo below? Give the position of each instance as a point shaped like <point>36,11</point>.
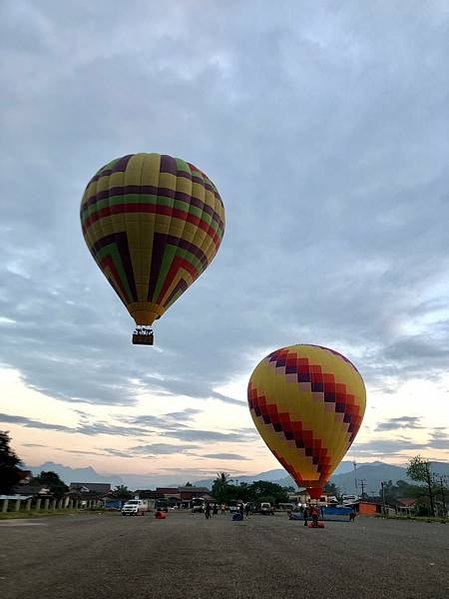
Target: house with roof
<point>183,497</point>
<point>26,491</point>
<point>406,506</point>
<point>97,488</point>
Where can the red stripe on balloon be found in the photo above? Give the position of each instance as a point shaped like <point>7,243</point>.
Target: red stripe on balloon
<point>292,431</point>
<point>152,209</point>
<point>334,393</point>
<point>177,264</point>
<point>107,262</point>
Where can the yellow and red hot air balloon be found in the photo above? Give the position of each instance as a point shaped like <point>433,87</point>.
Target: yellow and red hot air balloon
<point>153,224</point>
<point>307,403</point>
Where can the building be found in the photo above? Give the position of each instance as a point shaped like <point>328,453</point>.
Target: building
<point>97,488</point>
<point>302,497</point>
<point>406,507</point>
<point>182,497</point>
<point>32,491</point>
<point>189,493</point>
<point>368,508</point>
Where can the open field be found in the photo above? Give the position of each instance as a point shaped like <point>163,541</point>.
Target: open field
<point>110,557</point>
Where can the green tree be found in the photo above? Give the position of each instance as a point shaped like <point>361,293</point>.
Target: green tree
<point>221,487</point>
<point>188,484</point>
<point>420,470</point>
<point>10,473</point>
<point>51,480</point>
<point>400,490</point>
<point>332,489</point>
<point>261,491</point>
<point>122,492</point>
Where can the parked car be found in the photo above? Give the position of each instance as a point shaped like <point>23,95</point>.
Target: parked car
<point>234,506</point>
<point>266,508</point>
<point>286,507</point>
<point>135,507</point>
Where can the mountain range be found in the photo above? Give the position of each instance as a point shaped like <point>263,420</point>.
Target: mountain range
<point>370,474</point>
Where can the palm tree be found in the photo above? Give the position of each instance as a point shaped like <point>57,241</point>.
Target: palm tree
<point>122,492</point>
<point>222,478</point>
<point>220,486</point>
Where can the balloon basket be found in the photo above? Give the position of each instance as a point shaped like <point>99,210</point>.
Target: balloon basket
<point>143,336</point>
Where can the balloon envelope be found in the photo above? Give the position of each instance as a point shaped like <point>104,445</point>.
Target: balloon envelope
<point>153,224</point>
<point>307,403</point>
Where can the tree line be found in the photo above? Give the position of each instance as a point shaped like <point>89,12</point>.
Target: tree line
<point>431,493</point>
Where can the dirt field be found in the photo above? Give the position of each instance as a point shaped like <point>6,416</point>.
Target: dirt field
<point>110,557</point>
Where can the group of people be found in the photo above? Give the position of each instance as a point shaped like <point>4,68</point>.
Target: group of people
<point>309,511</point>
<point>212,510</point>
<point>314,513</point>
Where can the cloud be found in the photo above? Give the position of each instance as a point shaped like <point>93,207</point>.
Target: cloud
<point>439,439</point>
<point>384,231</point>
<point>224,456</point>
<point>392,424</point>
<point>90,428</point>
<point>34,445</point>
<point>168,421</point>
<point>30,423</point>
<point>386,447</point>
<point>207,436</point>
<point>154,449</point>
<point>331,160</point>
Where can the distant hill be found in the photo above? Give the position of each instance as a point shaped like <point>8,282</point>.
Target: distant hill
<point>374,473</point>
<point>278,476</point>
<point>371,475</point>
<point>90,475</point>
<point>69,475</point>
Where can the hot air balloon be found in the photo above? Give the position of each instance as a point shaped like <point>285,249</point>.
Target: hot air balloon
<point>153,224</point>
<point>307,403</point>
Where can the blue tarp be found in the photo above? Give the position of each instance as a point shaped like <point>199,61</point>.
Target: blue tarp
<point>113,505</point>
<point>336,513</point>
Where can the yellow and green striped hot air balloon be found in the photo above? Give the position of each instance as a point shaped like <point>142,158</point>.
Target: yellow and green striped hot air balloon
<point>307,403</point>
<point>153,224</point>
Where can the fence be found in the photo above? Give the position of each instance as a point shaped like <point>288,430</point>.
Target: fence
<point>17,503</point>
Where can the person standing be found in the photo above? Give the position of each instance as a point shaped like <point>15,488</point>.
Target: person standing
<point>215,509</point>
<point>305,515</point>
<point>207,511</point>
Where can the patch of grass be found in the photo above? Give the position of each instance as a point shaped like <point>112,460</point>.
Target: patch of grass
<point>40,513</point>
<point>427,519</point>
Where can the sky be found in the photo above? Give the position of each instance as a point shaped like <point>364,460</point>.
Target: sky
<point>325,128</point>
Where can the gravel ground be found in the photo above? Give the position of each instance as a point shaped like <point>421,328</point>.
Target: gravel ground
<point>107,556</point>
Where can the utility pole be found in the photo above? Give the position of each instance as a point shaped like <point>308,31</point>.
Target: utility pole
<point>362,484</point>
<point>429,481</point>
<point>384,510</point>
<point>355,477</point>
<point>443,497</point>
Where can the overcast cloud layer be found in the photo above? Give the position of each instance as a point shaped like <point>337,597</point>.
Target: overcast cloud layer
<point>324,126</point>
